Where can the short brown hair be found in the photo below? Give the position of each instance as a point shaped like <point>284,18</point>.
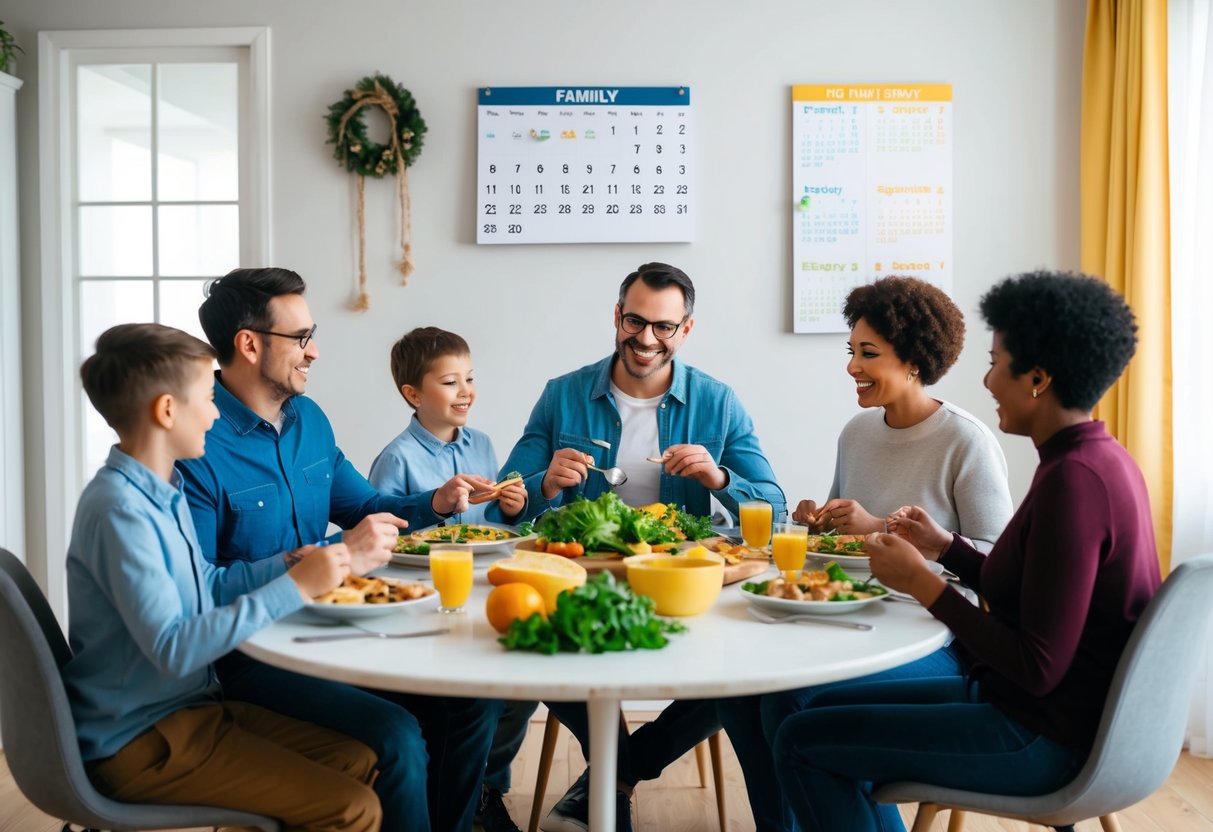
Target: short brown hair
<point>135,363</point>
<point>416,352</point>
<point>922,323</point>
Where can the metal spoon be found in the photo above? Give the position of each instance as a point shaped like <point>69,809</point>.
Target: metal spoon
<point>613,476</point>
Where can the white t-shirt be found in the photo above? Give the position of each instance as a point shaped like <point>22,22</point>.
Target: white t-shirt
<point>638,439</point>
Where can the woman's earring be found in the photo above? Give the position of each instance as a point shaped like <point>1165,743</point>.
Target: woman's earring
<point>1035,392</point>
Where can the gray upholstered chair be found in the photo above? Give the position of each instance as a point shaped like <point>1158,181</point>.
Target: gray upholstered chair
<point>1141,732</point>
<point>39,733</point>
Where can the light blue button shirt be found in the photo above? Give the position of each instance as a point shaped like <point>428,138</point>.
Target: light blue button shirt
<point>417,462</point>
<point>578,408</point>
<point>144,624</point>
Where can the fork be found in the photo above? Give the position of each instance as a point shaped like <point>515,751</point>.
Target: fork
<point>364,633</point>
<point>805,618</point>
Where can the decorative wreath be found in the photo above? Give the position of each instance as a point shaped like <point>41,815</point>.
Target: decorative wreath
<point>354,151</point>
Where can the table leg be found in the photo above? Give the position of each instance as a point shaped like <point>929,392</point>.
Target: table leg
<point>604,754</point>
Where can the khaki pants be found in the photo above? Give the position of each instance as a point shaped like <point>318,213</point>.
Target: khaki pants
<point>240,756</point>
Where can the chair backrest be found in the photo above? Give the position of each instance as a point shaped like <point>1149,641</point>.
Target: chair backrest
<point>1142,729</point>
<point>39,732</point>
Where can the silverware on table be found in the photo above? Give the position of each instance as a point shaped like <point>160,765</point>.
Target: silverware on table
<point>369,634</point>
<point>805,618</point>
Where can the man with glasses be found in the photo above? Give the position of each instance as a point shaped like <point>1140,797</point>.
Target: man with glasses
<point>637,403</point>
<point>271,481</point>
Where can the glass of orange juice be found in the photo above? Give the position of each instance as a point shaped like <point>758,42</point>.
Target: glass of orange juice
<point>451,570</point>
<point>789,545</point>
<point>755,523</point>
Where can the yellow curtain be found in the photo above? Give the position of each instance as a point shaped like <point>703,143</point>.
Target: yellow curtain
<point>1126,223</point>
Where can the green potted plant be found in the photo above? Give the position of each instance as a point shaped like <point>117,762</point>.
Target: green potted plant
<point>8,50</point>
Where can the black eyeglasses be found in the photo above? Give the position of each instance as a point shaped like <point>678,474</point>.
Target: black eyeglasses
<point>303,340</point>
<point>634,325</point>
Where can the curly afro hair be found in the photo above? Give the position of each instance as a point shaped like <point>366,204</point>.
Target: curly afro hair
<point>922,323</point>
<point>1074,326</point>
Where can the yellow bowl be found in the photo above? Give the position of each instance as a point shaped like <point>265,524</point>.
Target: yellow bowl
<point>678,584</point>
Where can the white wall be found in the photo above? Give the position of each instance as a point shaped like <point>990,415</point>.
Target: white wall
<point>531,312</point>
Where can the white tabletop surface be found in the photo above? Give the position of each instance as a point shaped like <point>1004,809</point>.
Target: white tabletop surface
<point>723,653</point>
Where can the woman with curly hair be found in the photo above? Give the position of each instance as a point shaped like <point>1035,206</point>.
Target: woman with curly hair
<point>905,447</point>
<point>1065,583</point>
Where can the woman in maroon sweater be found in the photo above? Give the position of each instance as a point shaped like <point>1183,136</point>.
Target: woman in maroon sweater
<point>1065,584</point>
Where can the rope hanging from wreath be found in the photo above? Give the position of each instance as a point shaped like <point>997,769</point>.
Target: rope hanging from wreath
<point>355,151</point>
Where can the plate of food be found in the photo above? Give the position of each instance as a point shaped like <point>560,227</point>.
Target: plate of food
<point>368,597</point>
<point>413,549</point>
<point>847,550</point>
<point>860,566</point>
<point>820,591</point>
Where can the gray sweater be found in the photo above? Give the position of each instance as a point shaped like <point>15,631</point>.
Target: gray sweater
<point>950,464</point>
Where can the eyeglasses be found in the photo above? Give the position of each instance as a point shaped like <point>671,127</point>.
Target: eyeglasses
<point>303,340</point>
<point>634,325</point>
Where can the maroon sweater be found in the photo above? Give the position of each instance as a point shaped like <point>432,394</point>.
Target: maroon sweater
<point>1065,582</point>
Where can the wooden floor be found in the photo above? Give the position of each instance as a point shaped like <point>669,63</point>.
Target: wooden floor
<point>675,803</point>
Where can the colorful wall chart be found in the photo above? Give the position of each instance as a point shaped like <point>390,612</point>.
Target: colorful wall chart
<point>872,192</point>
<point>584,165</point>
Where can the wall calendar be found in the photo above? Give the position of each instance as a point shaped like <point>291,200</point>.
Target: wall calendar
<point>584,165</point>
<point>872,192</point>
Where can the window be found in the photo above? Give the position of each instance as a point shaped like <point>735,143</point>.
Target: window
<point>154,181</point>
<point>157,186</point>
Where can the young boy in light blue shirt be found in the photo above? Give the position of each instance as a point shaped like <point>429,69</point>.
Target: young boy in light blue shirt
<point>148,616</point>
<point>438,453</point>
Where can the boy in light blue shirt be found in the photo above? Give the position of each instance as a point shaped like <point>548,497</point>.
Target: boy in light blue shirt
<point>438,454</point>
<point>149,615</point>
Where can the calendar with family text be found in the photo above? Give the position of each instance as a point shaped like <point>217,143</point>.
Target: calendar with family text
<point>584,165</point>
<point>871,192</point>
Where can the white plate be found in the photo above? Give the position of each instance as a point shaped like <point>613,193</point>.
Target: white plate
<point>350,612</point>
<point>481,546</point>
<point>785,606</point>
<point>854,565</point>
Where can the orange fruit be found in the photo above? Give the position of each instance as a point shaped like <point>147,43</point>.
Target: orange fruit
<point>550,574</point>
<point>510,602</point>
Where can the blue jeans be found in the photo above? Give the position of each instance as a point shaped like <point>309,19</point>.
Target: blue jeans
<point>507,739</point>
<point>431,749</point>
<point>752,722</point>
<point>933,730</point>
<point>644,754</point>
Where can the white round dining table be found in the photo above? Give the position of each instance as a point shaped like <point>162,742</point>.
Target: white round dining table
<point>723,653</point>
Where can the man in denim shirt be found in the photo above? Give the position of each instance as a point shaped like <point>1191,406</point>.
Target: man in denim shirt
<point>271,480</point>
<point>637,403</point>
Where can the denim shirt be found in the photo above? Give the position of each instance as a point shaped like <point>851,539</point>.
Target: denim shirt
<point>256,492</point>
<point>417,463</point>
<point>147,614</point>
<point>698,410</point>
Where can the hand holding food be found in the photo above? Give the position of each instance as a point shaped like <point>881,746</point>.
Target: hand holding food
<point>849,517</point>
<point>918,527</point>
<point>511,480</point>
<point>452,496</point>
<point>372,540</point>
<point>566,469</point>
<point>512,497</point>
<point>695,462</point>
<point>898,565</point>
<point>321,569</point>
<point>807,513</point>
